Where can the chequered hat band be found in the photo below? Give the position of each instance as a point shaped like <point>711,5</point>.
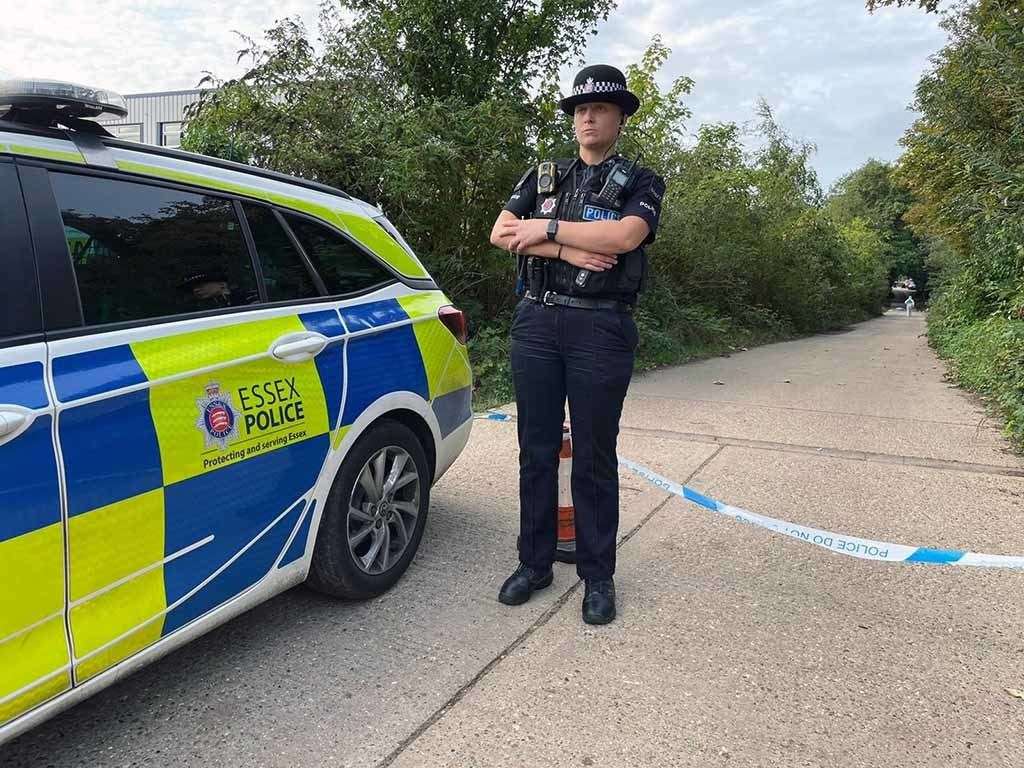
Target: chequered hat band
<point>599,86</point>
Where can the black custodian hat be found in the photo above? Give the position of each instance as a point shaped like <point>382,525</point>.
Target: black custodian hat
<point>600,82</point>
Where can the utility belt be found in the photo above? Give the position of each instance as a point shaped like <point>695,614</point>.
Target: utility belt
<point>620,284</point>
<point>552,299</point>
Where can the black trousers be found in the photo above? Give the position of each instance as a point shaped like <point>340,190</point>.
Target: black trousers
<point>587,356</point>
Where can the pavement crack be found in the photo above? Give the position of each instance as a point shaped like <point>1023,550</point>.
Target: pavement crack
<point>661,505</point>
<point>826,412</point>
<point>835,453</point>
<point>509,649</point>
<point>472,683</point>
<point>876,457</point>
<point>704,465</point>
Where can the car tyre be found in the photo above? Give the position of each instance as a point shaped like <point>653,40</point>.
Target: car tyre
<point>375,515</point>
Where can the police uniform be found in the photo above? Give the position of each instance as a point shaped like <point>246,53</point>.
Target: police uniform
<point>574,337</point>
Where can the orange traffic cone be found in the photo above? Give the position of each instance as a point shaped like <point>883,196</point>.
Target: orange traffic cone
<point>566,550</point>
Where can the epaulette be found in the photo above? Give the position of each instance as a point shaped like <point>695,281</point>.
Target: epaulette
<point>523,180</point>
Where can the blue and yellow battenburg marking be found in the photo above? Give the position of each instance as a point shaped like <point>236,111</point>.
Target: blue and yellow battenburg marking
<point>34,659</point>
<point>187,490</point>
<point>448,373</point>
<point>207,475</point>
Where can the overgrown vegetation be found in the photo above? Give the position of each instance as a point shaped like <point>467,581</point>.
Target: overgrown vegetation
<point>964,163</point>
<point>434,113</point>
<point>874,201</point>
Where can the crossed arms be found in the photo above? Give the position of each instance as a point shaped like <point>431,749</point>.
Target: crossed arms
<point>592,245</point>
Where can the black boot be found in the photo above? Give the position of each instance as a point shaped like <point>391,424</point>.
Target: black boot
<point>524,582</point>
<point>599,601</point>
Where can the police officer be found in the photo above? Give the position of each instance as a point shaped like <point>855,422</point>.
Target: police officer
<point>578,229</point>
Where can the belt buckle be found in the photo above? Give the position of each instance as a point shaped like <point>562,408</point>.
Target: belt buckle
<point>545,300</point>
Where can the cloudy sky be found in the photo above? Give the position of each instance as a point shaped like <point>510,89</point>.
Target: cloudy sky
<point>833,74</point>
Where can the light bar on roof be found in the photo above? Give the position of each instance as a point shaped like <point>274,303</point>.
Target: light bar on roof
<point>61,97</point>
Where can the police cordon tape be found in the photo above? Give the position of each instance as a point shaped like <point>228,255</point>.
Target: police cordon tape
<point>492,416</point>
<point>851,546</point>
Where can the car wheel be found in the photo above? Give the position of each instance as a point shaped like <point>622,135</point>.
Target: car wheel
<point>375,514</point>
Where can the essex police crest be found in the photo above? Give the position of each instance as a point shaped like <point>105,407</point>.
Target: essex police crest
<point>217,419</point>
<point>548,206</point>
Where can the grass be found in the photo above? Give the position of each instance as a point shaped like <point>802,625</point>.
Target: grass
<point>986,356</point>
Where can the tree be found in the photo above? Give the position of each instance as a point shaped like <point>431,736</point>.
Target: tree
<point>658,126</point>
<point>963,163</point>
<point>963,155</point>
<point>930,6</point>
<point>872,195</point>
<point>470,50</point>
<point>433,109</point>
<point>436,140</point>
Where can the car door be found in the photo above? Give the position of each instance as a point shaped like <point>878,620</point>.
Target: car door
<point>194,413</point>
<point>406,347</point>
<point>34,654</point>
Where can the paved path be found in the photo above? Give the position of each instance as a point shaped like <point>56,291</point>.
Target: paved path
<point>734,647</point>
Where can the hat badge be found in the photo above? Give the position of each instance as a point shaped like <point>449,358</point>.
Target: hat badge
<point>588,87</point>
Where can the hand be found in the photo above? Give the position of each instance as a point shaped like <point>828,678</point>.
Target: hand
<point>210,289</point>
<point>523,233</point>
<point>595,262</point>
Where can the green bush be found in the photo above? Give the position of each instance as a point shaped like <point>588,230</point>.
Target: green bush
<point>965,167</point>
<point>746,251</point>
<point>986,356</point>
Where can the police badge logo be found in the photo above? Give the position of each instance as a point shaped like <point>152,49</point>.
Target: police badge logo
<point>217,419</point>
<point>588,87</point>
<point>548,206</point>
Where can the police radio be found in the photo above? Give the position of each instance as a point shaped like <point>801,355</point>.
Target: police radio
<point>547,178</point>
<point>618,179</point>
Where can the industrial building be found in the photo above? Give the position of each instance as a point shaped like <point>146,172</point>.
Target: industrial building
<point>153,118</point>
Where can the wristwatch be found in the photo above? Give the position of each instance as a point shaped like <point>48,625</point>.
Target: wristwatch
<point>552,229</point>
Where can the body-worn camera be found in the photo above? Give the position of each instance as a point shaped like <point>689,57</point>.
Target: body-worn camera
<point>547,178</point>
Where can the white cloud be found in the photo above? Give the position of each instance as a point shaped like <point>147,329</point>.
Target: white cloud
<point>726,32</point>
<point>131,47</point>
<point>834,74</point>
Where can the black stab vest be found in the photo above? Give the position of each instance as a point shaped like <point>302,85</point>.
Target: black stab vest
<point>575,200</point>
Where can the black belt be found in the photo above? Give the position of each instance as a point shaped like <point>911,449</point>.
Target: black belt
<point>550,298</point>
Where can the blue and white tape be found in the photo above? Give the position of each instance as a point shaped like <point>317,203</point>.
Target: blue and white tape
<point>838,543</point>
<point>493,416</point>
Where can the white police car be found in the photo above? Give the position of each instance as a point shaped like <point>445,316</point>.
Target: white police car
<point>215,382</point>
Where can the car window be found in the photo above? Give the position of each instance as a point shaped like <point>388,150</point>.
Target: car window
<point>284,272</point>
<point>343,267</point>
<point>141,251</point>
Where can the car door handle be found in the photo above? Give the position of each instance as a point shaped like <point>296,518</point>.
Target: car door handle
<point>297,347</point>
<point>11,422</point>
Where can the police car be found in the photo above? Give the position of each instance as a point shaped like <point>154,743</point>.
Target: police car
<point>216,382</point>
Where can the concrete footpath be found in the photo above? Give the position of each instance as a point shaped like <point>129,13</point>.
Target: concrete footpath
<point>734,646</point>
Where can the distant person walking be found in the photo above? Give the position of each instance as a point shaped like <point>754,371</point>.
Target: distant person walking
<point>909,304</point>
